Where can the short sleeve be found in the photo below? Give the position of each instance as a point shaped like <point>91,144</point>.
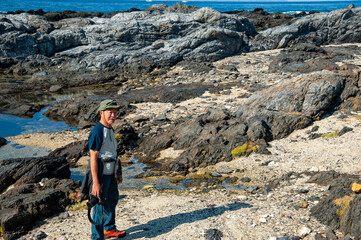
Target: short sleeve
<point>95,139</point>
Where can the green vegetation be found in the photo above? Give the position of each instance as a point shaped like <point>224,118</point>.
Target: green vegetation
<point>117,137</point>
<point>245,149</point>
<point>329,135</point>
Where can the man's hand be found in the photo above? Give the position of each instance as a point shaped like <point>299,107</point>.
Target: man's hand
<point>96,190</point>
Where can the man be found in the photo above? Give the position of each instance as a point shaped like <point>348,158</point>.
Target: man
<point>105,172</point>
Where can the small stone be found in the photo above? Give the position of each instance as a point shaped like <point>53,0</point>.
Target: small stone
<point>302,204</point>
<point>138,119</point>
<point>304,190</point>
<point>225,170</point>
<point>263,220</point>
<point>266,190</point>
<point>63,215</point>
<point>344,130</point>
<point>55,88</point>
<point>245,179</point>
<point>242,197</point>
<point>303,231</point>
<point>213,234</point>
<point>40,235</point>
<point>216,174</point>
<point>148,187</point>
<point>252,189</point>
<point>356,188</point>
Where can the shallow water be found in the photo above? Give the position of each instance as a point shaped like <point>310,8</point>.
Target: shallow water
<point>11,125</point>
<point>14,150</point>
<point>129,180</point>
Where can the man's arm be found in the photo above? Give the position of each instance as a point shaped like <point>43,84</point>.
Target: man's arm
<point>94,170</point>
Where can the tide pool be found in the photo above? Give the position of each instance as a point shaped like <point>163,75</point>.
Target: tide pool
<point>11,125</point>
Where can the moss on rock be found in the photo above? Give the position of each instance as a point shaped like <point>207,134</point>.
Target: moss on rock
<point>245,149</point>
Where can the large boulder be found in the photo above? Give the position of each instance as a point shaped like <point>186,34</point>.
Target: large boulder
<point>339,26</point>
<point>2,141</point>
<point>306,58</point>
<point>97,50</point>
<point>33,188</point>
<point>270,114</point>
<point>341,208</point>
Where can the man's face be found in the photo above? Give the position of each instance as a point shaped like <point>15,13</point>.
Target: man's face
<point>108,116</point>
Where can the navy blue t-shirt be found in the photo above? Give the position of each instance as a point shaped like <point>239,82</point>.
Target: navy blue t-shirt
<point>95,139</point>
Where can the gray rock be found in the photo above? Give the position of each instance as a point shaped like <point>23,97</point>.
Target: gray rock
<point>55,88</point>
<point>245,179</point>
<point>64,215</point>
<point>312,29</point>
<point>2,141</point>
<point>252,189</point>
<point>130,43</point>
<point>40,235</point>
<point>224,170</point>
<point>29,201</point>
<point>216,174</point>
<point>344,130</point>
<point>213,234</point>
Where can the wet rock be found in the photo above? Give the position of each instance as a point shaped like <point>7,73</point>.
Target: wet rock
<point>305,58</point>
<point>28,201</point>
<point>25,110</point>
<point>263,20</point>
<point>2,141</point>
<point>72,152</point>
<point>32,170</point>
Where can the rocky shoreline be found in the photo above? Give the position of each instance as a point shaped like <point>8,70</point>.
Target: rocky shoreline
<point>209,99</point>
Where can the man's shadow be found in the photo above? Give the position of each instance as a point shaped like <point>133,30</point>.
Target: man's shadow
<point>163,225</point>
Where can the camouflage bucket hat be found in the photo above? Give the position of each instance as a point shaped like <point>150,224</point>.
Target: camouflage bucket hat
<point>108,104</point>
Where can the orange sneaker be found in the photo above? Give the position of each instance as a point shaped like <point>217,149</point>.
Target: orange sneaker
<point>114,233</point>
